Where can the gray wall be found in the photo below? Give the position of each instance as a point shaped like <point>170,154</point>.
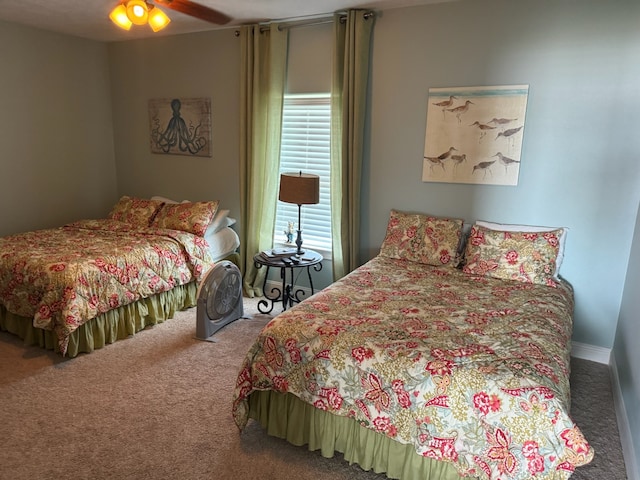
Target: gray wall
<point>196,65</point>
<point>579,159</point>
<point>309,59</point>
<point>56,161</point>
<point>626,353</point>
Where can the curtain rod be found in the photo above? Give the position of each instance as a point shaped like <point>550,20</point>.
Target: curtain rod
<point>308,22</point>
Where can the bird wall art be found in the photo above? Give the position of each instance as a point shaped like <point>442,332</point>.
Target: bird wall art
<point>474,134</point>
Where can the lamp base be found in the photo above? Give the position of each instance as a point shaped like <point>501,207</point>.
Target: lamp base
<point>300,251</point>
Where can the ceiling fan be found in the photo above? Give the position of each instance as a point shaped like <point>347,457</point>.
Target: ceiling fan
<point>142,12</point>
<point>196,10</point>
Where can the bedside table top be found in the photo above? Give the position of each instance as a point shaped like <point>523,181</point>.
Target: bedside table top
<point>307,259</point>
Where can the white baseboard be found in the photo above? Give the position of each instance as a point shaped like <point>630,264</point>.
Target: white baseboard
<point>628,451</point>
<point>590,352</point>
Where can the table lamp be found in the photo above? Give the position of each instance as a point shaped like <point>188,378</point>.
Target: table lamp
<point>301,189</point>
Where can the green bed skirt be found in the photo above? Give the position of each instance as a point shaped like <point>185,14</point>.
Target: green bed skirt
<point>107,328</point>
<point>287,417</point>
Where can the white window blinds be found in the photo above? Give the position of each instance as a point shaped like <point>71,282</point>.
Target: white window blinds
<point>306,132</point>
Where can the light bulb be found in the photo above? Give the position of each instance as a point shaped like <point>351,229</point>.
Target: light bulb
<point>158,19</point>
<point>137,11</point>
<point>119,16</point>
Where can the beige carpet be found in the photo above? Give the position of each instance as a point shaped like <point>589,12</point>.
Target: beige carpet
<point>157,406</point>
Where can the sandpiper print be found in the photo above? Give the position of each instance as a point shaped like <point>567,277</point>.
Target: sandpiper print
<point>474,134</point>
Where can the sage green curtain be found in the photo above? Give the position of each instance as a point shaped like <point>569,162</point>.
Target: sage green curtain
<point>263,76</point>
<point>351,54</point>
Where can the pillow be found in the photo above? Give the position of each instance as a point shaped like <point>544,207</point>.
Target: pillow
<point>167,200</point>
<point>136,211</point>
<point>163,199</point>
<point>222,243</point>
<point>528,257</point>
<point>532,228</point>
<point>218,222</point>
<point>192,217</point>
<point>421,238</point>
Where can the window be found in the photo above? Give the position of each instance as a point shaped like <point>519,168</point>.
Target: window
<point>306,133</point>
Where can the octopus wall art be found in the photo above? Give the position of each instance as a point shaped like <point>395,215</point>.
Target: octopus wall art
<point>180,126</point>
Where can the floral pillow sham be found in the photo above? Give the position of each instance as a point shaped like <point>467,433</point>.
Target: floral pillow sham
<point>421,238</point>
<point>192,217</point>
<point>219,221</point>
<point>532,228</point>
<point>136,211</point>
<point>525,256</point>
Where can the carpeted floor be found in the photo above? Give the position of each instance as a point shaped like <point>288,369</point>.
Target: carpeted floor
<point>157,406</point>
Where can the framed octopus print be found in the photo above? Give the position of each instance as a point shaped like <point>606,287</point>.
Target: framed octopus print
<point>474,134</point>
<point>180,126</point>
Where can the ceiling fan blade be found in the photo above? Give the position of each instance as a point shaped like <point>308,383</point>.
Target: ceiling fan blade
<point>196,10</point>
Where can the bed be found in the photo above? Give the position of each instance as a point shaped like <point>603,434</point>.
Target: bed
<point>424,364</point>
<point>89,283</point>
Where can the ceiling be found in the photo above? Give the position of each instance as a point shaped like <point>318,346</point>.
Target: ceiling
<point>89,18</point>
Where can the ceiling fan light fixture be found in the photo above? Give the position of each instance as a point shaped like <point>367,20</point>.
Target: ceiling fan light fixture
<point>119,16</point>
<point>141,12</point>
<point>158,19</point>
<point>137,12</point>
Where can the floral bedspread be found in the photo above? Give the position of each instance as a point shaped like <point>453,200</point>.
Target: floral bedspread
<point>467,369</point>
<point>66,276</point>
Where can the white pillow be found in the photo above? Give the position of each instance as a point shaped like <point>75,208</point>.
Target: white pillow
<point>163,199</point>
<point>531,228</point>
<point>218,222</point>
<point>222,243</point>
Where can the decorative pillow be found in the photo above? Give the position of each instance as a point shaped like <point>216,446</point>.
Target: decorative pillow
<point>136,211</point>
<point>440,241</point>
<point>421,238</point>
<point>219,221</point>
<point>192,217</point>
<point>402,240</point>
<point>524,256</point>
<point>532,228</point>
